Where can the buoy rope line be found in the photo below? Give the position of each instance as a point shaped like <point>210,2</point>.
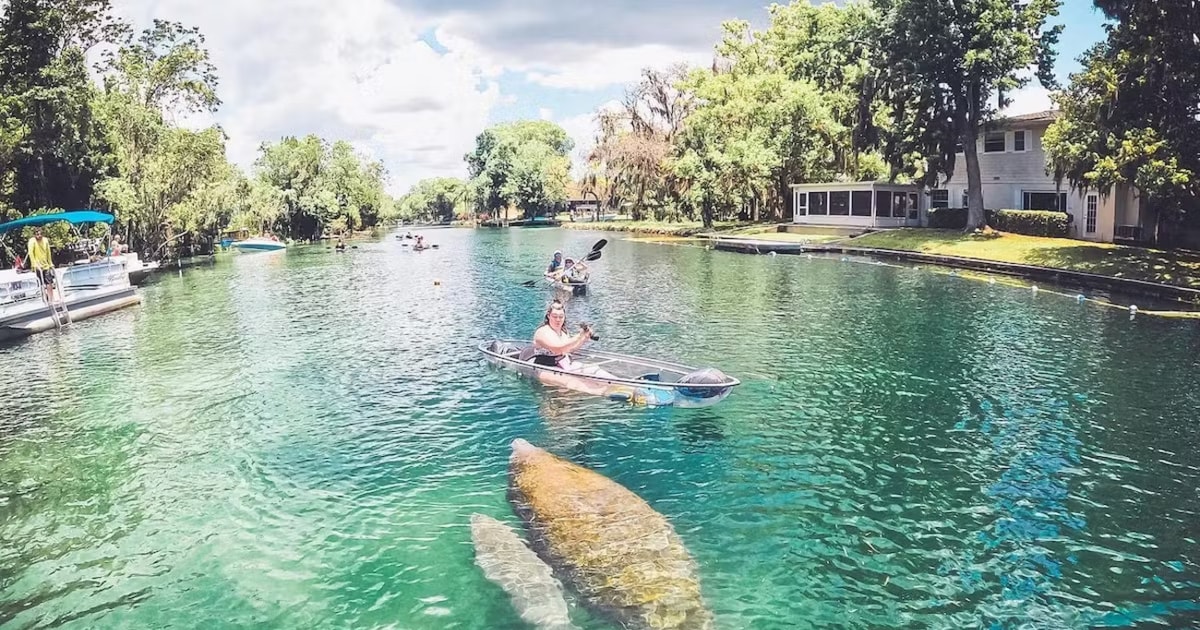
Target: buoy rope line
<point>1015,283</point>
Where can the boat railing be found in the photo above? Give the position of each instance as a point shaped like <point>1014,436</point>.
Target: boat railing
<point>103,273</point>
<point>17,290</point>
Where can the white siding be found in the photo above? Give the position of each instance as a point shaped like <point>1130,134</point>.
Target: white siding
<point>1007,175</point>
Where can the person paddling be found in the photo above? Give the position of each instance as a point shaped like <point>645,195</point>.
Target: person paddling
<point>556,264</point>
<point>553,346</point>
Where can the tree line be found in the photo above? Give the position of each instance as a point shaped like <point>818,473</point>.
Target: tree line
<point>68,141</point>
<point>881,89</point>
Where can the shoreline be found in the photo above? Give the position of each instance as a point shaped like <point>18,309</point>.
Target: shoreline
<point>726,240</point>
<point>1057,276</point>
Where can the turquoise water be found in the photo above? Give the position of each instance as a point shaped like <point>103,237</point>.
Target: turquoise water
<point>298,440</point>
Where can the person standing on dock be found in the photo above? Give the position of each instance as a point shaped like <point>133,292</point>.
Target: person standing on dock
<point>42,262</point>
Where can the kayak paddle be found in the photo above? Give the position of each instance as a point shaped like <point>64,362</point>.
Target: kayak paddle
<point>592,256</point>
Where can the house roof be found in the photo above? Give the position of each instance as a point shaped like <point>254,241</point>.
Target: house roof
<point>1045,116</point>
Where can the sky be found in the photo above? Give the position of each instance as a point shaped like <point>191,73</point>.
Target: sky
<point>412,82</point>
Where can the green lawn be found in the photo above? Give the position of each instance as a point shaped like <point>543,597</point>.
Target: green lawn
<point>1177,268</point>
<point>662,228</point>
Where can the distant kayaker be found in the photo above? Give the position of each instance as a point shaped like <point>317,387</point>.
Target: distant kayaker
<point>574,272</point>
<point>556,264</point>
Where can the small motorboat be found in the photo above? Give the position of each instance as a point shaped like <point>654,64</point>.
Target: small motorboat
<point>259,244</point>
<point>626,378</point>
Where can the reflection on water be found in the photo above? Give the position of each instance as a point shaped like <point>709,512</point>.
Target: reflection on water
<point>298,439</point>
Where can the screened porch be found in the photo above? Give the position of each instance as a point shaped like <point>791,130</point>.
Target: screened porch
<point>860,204</point>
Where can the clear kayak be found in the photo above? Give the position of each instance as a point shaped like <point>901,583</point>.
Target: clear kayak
<point>626,378</point>
<point>576,287</point>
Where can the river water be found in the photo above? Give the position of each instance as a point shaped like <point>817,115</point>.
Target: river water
<point>298,440</point>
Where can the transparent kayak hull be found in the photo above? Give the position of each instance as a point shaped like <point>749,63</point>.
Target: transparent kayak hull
<point>578,287</point>
<point>626,378</point>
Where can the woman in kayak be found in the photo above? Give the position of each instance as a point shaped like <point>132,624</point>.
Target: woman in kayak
<point>554,346</point>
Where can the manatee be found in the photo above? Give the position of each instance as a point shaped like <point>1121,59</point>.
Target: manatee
<point>505,560</point>
<point>610,546</point>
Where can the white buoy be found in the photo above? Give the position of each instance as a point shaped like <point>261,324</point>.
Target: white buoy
<point>1034,287</point>
<point>772,253</point>
<point>1080,297</point>
<point>954,272</point>
<point>844,259</point>
<point>992,281</point>
<point>1133,309</point>
<point>810,256</point>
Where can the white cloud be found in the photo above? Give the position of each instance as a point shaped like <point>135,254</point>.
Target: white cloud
<point>1029,99</point>
<point>601,68</point>
<point>545,113</point>
<point>294,67</point>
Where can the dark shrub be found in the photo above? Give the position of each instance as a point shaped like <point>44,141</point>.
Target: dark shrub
<point>1031,222</point>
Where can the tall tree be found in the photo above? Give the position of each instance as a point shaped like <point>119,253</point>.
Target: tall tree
<point>439,199</point>
<point>523,164</point>
<point>944,63</point>
<point>159,168</point>
<point>832,48</point>
<point>166,69</point>
<point>44,79</point>
<point>635,141</point>
<point>306,186</point>
<point>1132,114</point>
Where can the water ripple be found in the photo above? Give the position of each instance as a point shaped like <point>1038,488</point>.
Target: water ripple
<point>298,440</point>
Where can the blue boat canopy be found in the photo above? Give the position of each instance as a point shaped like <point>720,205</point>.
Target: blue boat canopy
<point>74,217</point>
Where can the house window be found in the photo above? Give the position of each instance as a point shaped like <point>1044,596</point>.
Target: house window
<point>939,198</point>
<point>1019,141</point>
<point>860,203</point>
<point>1093,204</point>
<point>993,142</point>
<point>914,211</point>
<point>801,204</point>
<point>883,204</point>
<point>1044,201</point>
<point>965,196</point>
<point>839,202</point>
<point>818,203</point>
<point>898,209</point>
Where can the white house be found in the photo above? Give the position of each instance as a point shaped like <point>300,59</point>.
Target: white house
<point>1012,166</point>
